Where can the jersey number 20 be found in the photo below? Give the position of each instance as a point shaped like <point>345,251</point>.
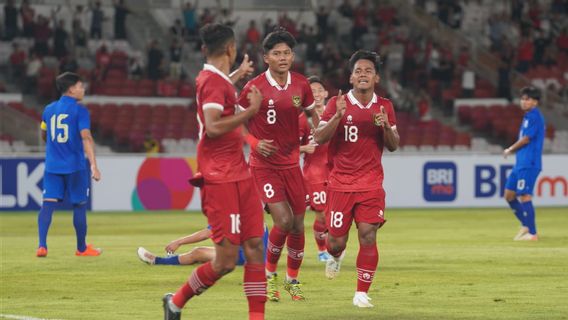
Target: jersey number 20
<point>57,122</point>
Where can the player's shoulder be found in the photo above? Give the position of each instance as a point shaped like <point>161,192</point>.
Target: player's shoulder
<point>258,80</point>
<point>298,77</point>
<point>207,76</point>
<point>383,101</point>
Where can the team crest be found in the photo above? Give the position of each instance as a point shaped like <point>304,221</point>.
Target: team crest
<point>296,101</point>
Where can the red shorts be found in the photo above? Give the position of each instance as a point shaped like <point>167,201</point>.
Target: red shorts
<point>342,207</point>
<point>318,196</point>
<point>277,185</point>
<point>233,211</point>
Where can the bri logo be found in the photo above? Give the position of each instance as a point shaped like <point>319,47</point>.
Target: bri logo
<point>440,181</point>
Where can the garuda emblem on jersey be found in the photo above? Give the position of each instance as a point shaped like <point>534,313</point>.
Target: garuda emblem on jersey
<point>296,101</point>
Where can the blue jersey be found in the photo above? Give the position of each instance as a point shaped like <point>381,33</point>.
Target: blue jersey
<point>533,127</point>
<point>63,121</point>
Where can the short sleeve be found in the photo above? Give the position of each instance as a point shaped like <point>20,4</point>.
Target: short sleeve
<point>329,111</point>
<point>212,96</point>
<point>531,127</point>
<point>84,119</point>
<point>243,100</point>
<point>43,124</point>
<point>308,98</point>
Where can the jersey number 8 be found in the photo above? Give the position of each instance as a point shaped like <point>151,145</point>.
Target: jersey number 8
<point>57,122</point>
<point>271,116</point>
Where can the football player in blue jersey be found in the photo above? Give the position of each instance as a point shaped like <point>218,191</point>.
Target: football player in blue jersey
<point>528,164</point>
<point>66,130</point>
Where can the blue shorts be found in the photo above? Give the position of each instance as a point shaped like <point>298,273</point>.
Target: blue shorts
<point>241,261</point>
<point>75,185</point>
<point>522,181</point>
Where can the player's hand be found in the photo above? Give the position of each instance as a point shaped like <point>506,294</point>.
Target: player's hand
<point>95,173</point>
<point>308,148</point>
<point>255,98</point>
<point>172,247</point>
<point>266,148</point>
<point>507,152</point>
<point>246,68</point>
<point>382,119</point>
<point>340,105</point>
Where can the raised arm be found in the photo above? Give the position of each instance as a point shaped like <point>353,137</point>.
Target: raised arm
<point>391,137</point>
<point>198,236</point>
<point>326,130</point>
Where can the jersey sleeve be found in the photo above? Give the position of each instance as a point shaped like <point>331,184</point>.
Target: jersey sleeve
<point>533,126</point>
<point>84,119</point>
<point>243,100</point>
<point>43,124</point>
<point>212,95</point>
<point>329,111</point>
<point>308,98</point>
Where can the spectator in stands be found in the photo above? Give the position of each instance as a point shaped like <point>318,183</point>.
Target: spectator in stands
<point>42,34</point>
<point>17,61</point>
<point>102,59</point>
<point>322,17</point>
<point>562,41</point>
<point>206,17</point>
<point>226,15</point>
<point>80,14</point>
<point>97,19</point>
<point>10,20</point>
<point>155,60</point>
<point>79,39</point>
<point>190,18</point>
<point>525,54</point>
<point>346,9</point>
<point>120,13</point>
<point>28,15</point>
<point>60,40</point>
<point>32,72</point>
<point>136,66</point>
<point>68,64</point>
<point>175,59</point>
<point>360,26</point>
<point>151,145</point>
<point>504,78</point>
<point>268,26</point>
<point>177,31</point>
<point>253,35</point>
<point>468,83</point>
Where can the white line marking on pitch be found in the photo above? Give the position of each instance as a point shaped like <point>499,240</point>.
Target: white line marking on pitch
<point>16,317</point>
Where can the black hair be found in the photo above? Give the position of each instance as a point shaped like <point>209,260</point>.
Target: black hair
<point>215,37</point>
<point>279,35</point>
<point>66,80</point>
<point>531,92</point>
<point>365,55</point>
<point>315,79</point>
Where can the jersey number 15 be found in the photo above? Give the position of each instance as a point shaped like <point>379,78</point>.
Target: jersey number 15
<point>56,122</point>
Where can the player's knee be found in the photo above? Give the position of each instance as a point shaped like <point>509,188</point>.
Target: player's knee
<point>226,267</point>
<point>368,237</point>
<point>286,224</point>
<point>335,245</point>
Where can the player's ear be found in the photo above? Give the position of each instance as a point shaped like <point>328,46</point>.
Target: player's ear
<point>265,58</point>
<point>325,94</point>
<point>377,78</point>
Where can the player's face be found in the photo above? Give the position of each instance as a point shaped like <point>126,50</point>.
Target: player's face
<point>279,58</point>
<point>78,91</point>
<point>319,92</point>
<point>528,103</point>
<point>364,76</point>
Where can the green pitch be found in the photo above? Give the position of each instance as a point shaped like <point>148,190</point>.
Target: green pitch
<point>434,264</point>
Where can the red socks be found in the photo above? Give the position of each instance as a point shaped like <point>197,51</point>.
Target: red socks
<point>295,246</point>
<point>255,289</point>
<point>202,278</point>
<point>320,234</point>
<point>276,240</point>
<point>367,261</point>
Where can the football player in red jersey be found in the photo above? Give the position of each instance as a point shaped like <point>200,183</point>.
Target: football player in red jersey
<point>316,168</point>
<point>229,199</point>
<point>358,125</point>
<point>274,160</point>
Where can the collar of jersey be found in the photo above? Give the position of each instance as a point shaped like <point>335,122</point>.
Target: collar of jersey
<point>67,99</point>
<point>212,68</point>
<point>354,100</point>
<point>275,84</point>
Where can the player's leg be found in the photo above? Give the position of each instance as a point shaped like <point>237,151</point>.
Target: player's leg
<point>196,255</point>
<point>338,219</point>
<point>525,185</point>
<point>252,232</point>
<point>514,204</point>
<point>369,216</point>
<point>77,184</point>
<point>220,205</point>
<point>317,203</point>
<point>53,191</point>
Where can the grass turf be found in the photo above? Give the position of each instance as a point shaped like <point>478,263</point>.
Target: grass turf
<point>435,264</point>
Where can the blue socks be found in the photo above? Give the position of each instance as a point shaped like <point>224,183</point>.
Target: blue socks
<point>529,217</point>
<point>171,260</point>
<point>44,221</point>
<point>80,224</point>
<point>519,211</point>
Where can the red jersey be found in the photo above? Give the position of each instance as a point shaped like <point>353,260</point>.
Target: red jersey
<point>219,159</point>
<point>277,118</point>
<point>356,149</point>
<point>315,168</point>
